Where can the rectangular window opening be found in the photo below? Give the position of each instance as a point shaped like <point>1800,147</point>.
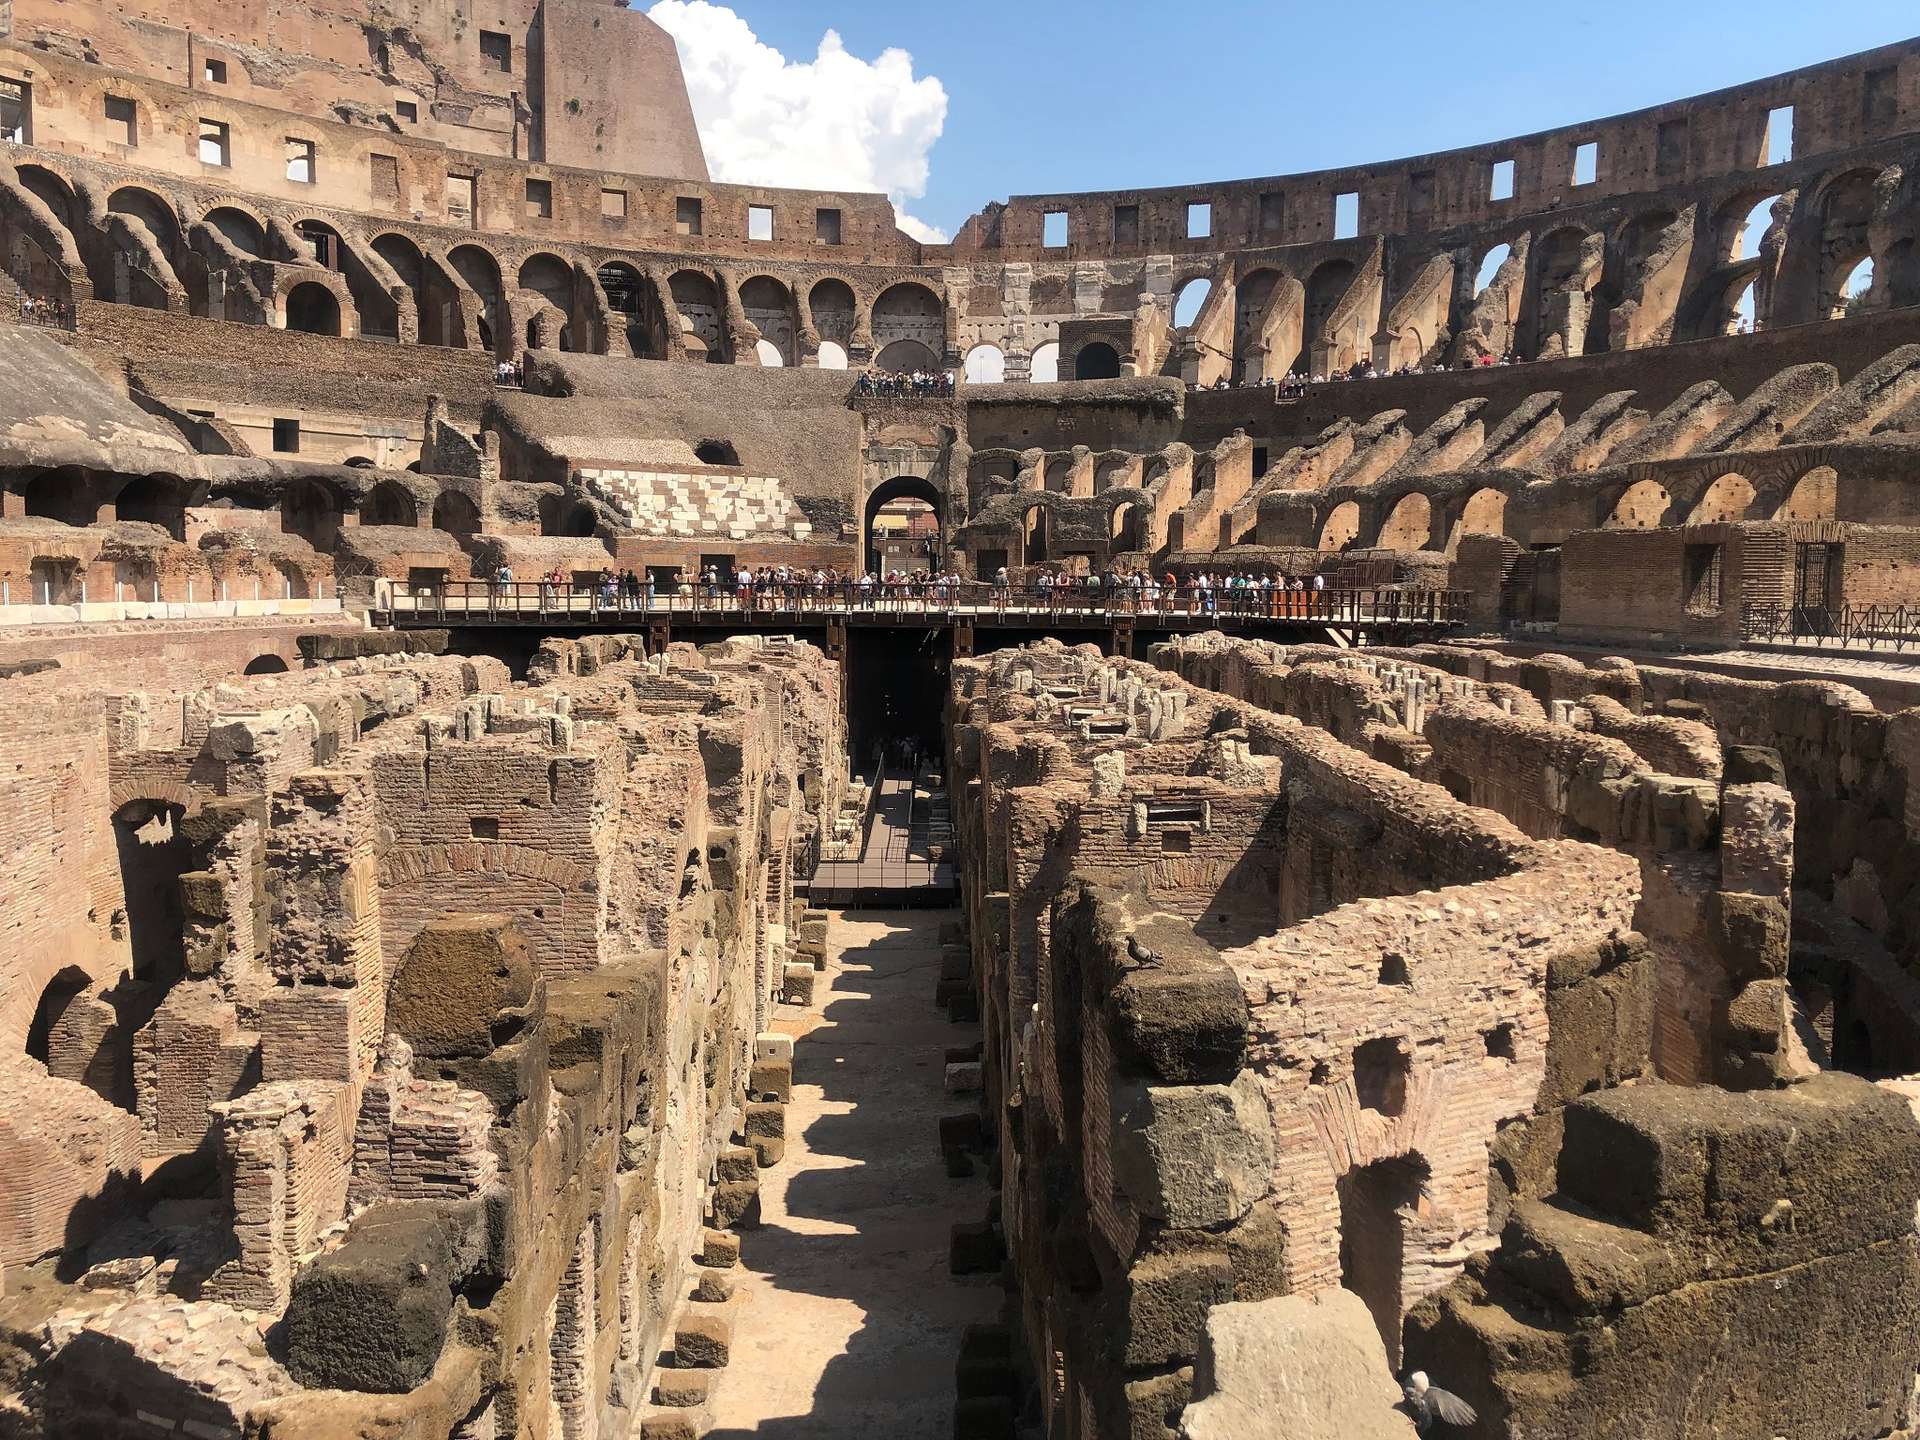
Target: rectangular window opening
<point>1670,147</point>
<point>1779,140</point>
<point>496,51</point>
<point>686,215</point>
<point>484,827</point>
<point>300,161</point>
<point>613,205</point>
<point>1586,163</point>
<point>1501,186</point>
<point>214,72</point>
<point>460,199</point>
<point>286,436</point>
<point>1346,215</point>
<point>1703,577</point>
<point>406,110</point>
<point>1053,229</point>
<point>214,147</point>
<point>1177,812</point>
<point>1199,221</point>
<point>123,119</point>
<point>826,226</point>
<point>539,199</point>
<point>759,222</point>
<point>16,112</point>
<point>1126,224</point>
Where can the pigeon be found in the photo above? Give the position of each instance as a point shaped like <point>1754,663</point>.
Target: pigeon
<point>1430,1403</point>
<point>1140,954</point>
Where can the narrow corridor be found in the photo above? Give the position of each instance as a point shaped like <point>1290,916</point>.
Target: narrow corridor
<point>848,1323</point>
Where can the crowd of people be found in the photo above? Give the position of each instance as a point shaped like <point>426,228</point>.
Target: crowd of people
<point>787,586</point>
<point>897,385</point>
<point>37,310</point>
<point>1297,382</point>
<point>510,373</point>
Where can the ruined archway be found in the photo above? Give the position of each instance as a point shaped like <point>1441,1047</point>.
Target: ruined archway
<point>1731,497</point>
<point>893,493</point>
<point>1642,505</point>
<point>1098,361</point>
<point>1409,525</point>
<point>1814,496</point>
<point>313,309</point>
<point>389,503</point>
<point>1342,526</point>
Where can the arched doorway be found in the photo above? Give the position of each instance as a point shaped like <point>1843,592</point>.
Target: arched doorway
<point>903,526</point>
<point>455,513</point>
<point>268,664</point>
<point>154,499</point>
<point>986,365</point>
<point>389,504</point>
<point>63,495</point>
<point>1098,361</point>
<point>313,309</point>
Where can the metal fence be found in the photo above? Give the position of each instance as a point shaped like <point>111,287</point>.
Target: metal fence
<point>1861,627</point>
<point>522,602</point>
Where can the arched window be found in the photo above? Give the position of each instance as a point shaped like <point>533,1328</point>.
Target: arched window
<point>986,365</point>
<point>1189,299</point>
<point>1044,367</point>
<point>1490,264</point>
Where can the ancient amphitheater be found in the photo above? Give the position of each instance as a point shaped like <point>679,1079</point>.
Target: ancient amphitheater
<point>1386,842</point>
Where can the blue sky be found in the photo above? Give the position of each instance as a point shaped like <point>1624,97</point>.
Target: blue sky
<point>1074,95</point>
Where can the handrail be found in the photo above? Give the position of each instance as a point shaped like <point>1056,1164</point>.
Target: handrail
<point>518,601</point>
<point>1895,627</point>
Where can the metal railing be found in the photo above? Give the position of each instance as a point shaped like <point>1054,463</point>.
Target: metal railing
<point>1866,627</point>
<point>481,601</point>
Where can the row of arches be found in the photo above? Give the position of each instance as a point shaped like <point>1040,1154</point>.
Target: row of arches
<point>1645,504</point>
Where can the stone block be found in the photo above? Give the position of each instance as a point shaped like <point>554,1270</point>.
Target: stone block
<point>372,1314</point>
<point>963,1077</point>
<point>796,984</point>
<point>765,1119</point>
<point>771,1045</point>
<point>975,1248</point>
<point>768,1150</point>
<point>718,1250</point>
<point>702,1340</point>
<point>456,981</point>
<point>736,1205</point>
<point>962,1131</point>
<point>670,1424</point>
<point>713,1287</point>
<point>771,1080</point>
<point>736,1162</point>
<point>1309,1369</point>
<point>1195,1156</point>
<point>1167,1299</point>
<point>682,1389</point>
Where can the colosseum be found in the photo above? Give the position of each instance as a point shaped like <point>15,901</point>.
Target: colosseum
<point>1292,807</point>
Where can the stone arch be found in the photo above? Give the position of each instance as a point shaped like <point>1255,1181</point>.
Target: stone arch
<point>1126,526</point>
<point>410,266</point>
<point>66,495</point>
<point>1096,361</point>
<point>769,308</point>
<point>389,503</point>
<point>1342,526</point>
<point>1036,528</point>
<point>1490,263</point>
<point>986,365</point>
<point>1642,505</point>
<point>1731,497</point>
<point>1190,297</point>
<point>266,664</point>
<point>1845,207</point>
<point>152,211</point>
<point>1484,513</point>
<point>900,487</point>
<point>910,323</point>
<point>155,500</point>
<point>551,278</point>
<point>479,269</point>
<point>832,355</point>
<point>311,511</point>
<point>1814,496</point>
<point>832,306</point>
<point>697,298</point>
<point>313,309</point>
<point>1043,367</point>
<point>55,191</point>
<point>456,514</point>
<point>241,228</point>
<point>1409,525</point>
<point>572,518</point>
<point>1326,288</point>
<point>634,301</point>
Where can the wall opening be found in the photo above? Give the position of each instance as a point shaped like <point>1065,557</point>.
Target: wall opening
<point>1377,1202</point>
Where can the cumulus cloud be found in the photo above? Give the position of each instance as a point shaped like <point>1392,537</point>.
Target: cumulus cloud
<point>835,122</point>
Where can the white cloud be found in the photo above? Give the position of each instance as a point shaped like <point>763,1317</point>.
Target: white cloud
<point>835,122</point>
